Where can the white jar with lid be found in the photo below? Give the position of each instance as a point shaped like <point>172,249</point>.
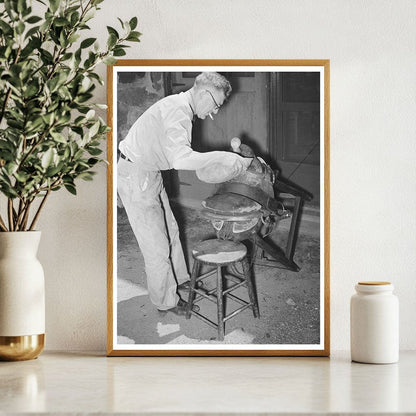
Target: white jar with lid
<point>374,323</point>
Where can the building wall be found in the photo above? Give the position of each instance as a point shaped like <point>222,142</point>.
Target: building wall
<point>373,148</point>
<point>136,92</point>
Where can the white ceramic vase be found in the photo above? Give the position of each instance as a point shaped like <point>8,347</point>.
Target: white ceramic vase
<point>22,296</point>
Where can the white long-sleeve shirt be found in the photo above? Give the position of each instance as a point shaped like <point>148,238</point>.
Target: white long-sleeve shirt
<point>160,139</point>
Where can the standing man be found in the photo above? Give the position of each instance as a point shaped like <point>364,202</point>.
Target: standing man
<point>160,139</point>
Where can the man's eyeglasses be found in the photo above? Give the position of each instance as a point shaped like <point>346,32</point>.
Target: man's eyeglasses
<point>217,107</point>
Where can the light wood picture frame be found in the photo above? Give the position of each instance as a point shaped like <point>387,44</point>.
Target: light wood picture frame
<point>281,109</point>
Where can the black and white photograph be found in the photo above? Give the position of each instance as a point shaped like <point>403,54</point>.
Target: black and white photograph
<point>218,208</point>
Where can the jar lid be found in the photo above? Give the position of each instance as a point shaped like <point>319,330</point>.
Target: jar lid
<point>372,287</point>
<point>374,283</point>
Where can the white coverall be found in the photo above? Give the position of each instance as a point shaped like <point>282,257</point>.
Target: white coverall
<point>160,139</point>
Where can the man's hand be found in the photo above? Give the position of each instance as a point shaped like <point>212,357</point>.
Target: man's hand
<point>224,170</point>
<point>242,165</point>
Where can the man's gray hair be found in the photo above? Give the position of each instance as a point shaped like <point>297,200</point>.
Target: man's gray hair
<point>213,79</point>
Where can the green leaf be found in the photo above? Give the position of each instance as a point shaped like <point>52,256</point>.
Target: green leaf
<point>4,145</point>
<point>16,124</point>
<point>87,42</point>
<point>53,83</point>
<point>6,29</point>
<point>48,118</point>
<point>112,41</point>
<point>34,125</point>
<point>119,52</point>
<point>86,176</point>
<point>92,161</point>
<point>73,38</point>
<point>61,21</point>
<point>26,11</point>
<point>67,56</point>
<point>70,188</point>
<point>77,130</point>
<point>94,151</point>
<point>110,60</point>
<point>82,166</point>
<point>74,18</point>
<point>20,27</point>
<point>32,45</point>
<point>121,22</point>
<point>11,168</point>
<point>78,154</point>
<point>67,153</point>
<point>90,114</point>
<point>112,31</point>
<point>133,23</point>
<point>8,191</point>
<point>31,90</point>
<point>21,177</point>
<point>92,75</point>
<point>46,56</point>
<point>82,98</point>
<point>94,129</point>
<point>21,5</point>
<point>52,171</point>
<point>33,19</point>
<point>134,37</point>
<point>89,15</point>
<point>58,137</point>
<point>10,7</point>
<point>47,158</point>
<point>63,41</point>
<point>64,93</point>
<point>32,31</point>
<point>54,4</point>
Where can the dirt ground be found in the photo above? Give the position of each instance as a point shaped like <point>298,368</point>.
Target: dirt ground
<point>289,302</point>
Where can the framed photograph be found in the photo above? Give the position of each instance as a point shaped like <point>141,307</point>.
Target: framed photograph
<point>218,208</point>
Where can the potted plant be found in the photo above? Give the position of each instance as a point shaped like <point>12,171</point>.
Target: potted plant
<point>50,136</point>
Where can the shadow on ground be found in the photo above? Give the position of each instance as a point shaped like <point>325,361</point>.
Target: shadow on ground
<point>289,301</point>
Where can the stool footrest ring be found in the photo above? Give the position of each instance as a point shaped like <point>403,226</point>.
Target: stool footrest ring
<point>247,305</point>
<point>202,294</point>
<point>205,319</point>
<point>207,274</point>
<point>234,287</point>
<point>238,300</point>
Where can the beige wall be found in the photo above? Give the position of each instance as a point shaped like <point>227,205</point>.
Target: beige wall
<point>373,151</point>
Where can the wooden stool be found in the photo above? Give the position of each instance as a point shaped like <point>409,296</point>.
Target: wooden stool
<point>220,253</point>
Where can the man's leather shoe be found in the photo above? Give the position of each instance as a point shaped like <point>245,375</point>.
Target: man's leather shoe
<point>179,309</point>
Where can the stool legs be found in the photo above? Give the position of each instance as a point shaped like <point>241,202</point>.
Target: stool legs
<point>220,296</point>
<point>220,304</point>
<point>250,288</point>
<point>192,284</point>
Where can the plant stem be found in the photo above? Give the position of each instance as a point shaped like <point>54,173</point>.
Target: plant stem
<point>18,216</point>
<point>39,209</point>
<point>26,216</point>
<point>10,213</point>
<point>21,212</point>
<point>2,225</point>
